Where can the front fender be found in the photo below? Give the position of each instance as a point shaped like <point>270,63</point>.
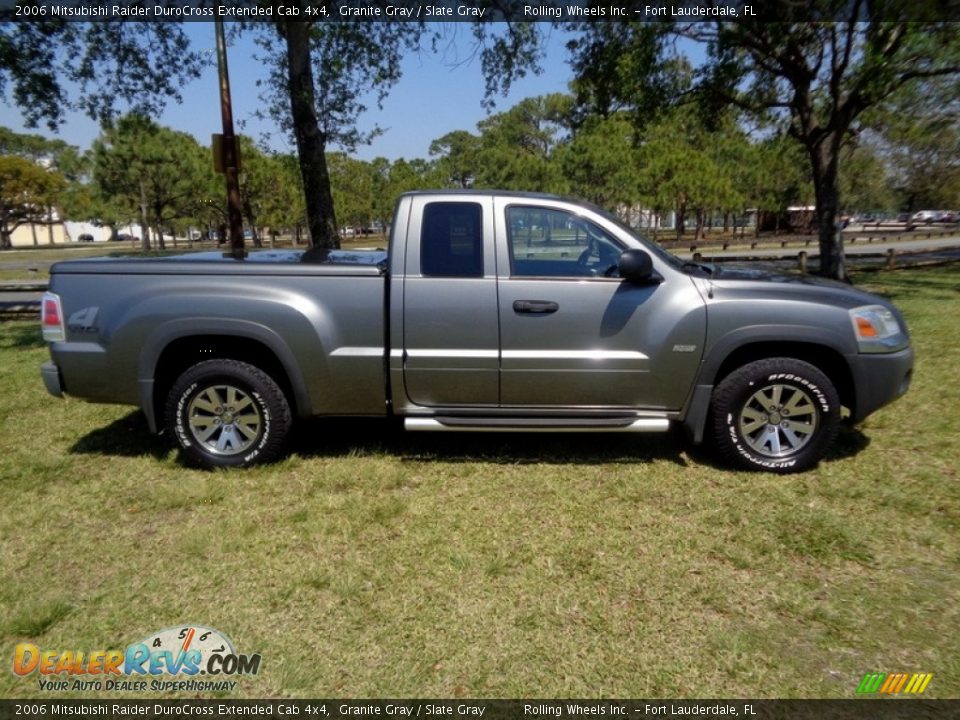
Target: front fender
<point>722,348</point>
<point>771,336</point>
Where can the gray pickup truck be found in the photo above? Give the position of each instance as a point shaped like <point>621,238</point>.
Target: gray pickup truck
<point>491,311</point>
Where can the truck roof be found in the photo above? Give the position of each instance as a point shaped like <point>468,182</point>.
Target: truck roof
<point>486,193</point>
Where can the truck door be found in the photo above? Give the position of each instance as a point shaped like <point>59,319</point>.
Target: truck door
<point>450,326</point>
<point>571,335</point>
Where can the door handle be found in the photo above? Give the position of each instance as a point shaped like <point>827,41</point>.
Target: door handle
<point>536,307</point>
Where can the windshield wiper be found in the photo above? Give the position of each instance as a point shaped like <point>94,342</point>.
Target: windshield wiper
<point>707,268</point>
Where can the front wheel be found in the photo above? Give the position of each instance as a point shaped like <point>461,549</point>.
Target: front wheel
<point>226,413</point>
<point>778,414</point>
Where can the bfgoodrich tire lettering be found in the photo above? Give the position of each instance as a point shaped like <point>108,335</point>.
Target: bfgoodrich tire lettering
<point>227,413</point>
<point>778,414</point>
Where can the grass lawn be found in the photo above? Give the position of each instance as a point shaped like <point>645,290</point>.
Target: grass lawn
<point>373,563</point>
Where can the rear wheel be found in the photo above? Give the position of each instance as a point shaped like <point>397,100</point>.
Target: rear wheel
<point>227,413</point>
<point>778,414</point>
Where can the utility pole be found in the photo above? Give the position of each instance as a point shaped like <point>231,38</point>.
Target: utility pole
<point>229,160</point>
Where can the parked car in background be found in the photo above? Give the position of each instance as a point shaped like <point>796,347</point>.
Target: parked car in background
<point>924,216</point>
<point>85,237</point>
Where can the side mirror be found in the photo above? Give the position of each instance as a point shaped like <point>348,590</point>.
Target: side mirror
<point>635,266</point>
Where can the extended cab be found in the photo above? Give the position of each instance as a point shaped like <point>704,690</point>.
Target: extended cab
<point>489,311</point>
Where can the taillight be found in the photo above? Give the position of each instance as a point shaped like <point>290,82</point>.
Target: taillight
<point>51,318</point>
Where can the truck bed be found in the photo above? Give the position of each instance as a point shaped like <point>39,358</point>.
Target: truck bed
<point>320,315</point>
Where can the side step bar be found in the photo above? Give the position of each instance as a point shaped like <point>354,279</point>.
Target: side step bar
<point>462,424</point>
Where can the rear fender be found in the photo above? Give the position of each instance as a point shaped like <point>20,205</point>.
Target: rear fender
<point>173,330</point>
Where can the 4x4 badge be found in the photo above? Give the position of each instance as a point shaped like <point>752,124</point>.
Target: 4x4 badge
<point>83,320</point>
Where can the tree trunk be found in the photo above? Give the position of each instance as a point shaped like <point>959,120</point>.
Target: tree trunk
<point>33,231</point>
<point>143,218</point>
<point>249,215</point>
<point>826,189</point>
<point>50,225</point>
<point>158,228</point>
<point>311,142</point>
<point>5,240</point>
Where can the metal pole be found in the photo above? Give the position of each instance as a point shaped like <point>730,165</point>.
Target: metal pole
<point>234,212</point>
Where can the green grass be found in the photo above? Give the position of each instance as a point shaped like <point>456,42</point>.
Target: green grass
<point>372,563</point>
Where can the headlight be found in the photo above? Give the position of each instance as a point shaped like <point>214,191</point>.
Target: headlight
<point>876,329</point>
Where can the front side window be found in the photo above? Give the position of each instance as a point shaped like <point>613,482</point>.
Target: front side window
<point>554,243</point>
<point>451,242</point>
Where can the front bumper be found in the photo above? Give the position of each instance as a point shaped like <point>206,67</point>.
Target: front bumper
<point>51,378</point>
<point>880,378</point>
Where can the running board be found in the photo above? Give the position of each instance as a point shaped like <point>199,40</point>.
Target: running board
<point>462,424</point>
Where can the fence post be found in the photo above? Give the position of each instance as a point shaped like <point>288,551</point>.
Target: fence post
<point>802,257</point>
<point>891,259</point>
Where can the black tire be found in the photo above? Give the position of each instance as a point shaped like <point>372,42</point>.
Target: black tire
<point>778,414</point>
<point>212,433</point>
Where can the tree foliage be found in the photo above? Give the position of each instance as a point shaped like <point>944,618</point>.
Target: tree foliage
<point>814,78</point>
<point>150,172</point>
<point>139,64</point>
<point>516,146</point>
<point>684,168</point>
<point>865,184</point>
<point>916,134</point>
<point>27,190</point>
<point>352,182</point>
<point>601,162</point>
<point>321,72</point>
<point>460,157</point>
<point>55,155</point>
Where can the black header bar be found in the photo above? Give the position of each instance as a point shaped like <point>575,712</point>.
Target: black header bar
<point>482,10</point>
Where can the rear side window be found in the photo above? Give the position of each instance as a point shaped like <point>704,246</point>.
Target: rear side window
<point>451,242</point>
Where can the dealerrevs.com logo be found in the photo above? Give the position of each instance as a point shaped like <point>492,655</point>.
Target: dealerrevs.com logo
<point>187,658</point>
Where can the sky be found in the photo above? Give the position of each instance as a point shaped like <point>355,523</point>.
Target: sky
<point>436,94</point>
